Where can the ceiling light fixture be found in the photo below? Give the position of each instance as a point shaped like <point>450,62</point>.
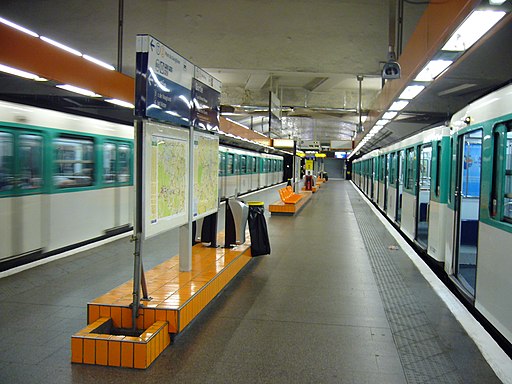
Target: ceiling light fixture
<point>121,103</point>
<point>81,91</point>
<point>99,62</point>
<point>398,105</point>
<point>382,122</point>
<point>60,45</point>
<point>20,73</point>
<point>472,29</point>
<point>18,27</point>
<point>433,69</point>
<point>411,92</point>
<point>389,115</point>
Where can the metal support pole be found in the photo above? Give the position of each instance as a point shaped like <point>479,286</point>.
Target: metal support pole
<point>360,102</point>
<point>400,33</point>
<point>120,36</point>
<point>137,264</point>
<point>293,164</point>
<point>137,272</point>
<point>185,232</point>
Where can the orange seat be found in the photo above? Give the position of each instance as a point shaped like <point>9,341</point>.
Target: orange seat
<point>288,197</point>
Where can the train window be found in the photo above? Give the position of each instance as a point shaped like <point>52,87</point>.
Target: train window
<point>74,158</point>
<point>437,191</point>
<point>30,150</point>
<point>451,171</point>
<point>6,162</point>
<point>243,164</point>
<point>254,165</point>
<point>109,163</point>
<point>124,157</point>
<point>410,159</point>
<point>229,170</point>
<point>392,168</point>
<point>425,164</point>
<point>507,201</point>
<point>472,164</point>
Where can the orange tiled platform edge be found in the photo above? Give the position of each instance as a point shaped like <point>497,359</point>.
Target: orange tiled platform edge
<point>281,208</point>
<point>176,298</point>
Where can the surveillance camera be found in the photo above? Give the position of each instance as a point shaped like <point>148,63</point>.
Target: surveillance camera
<point>391,70</point>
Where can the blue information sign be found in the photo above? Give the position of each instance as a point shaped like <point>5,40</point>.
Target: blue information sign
<point>163,82</point>
<point>205,101</point>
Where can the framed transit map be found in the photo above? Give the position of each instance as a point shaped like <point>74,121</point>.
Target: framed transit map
<point>165,178</point>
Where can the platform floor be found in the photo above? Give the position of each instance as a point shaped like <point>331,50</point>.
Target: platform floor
<point>331,304</point>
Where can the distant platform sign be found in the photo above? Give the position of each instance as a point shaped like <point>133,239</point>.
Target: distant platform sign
<point>163,82</point>
<point>206,101</point>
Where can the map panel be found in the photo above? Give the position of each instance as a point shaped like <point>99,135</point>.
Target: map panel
<point>206,174</point>
<point>168,177</point>
<point>165,178</point>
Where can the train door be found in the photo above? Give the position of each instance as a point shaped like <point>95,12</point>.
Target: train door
<point>386,180</point>
<point>21,187</point>
<point>423,194</point>
<point>372,177</point>
<point>467,208</point>
<point>399,186</point>
<point>222,174</point>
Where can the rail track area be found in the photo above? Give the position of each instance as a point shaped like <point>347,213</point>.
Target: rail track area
<point>335,302</point>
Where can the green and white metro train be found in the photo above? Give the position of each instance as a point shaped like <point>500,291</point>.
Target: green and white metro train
<point>67,180</point>
<point>449,190</point>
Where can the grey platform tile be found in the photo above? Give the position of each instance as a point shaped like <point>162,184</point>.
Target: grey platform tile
<point>29,354</point>
<point>21,373</point>
<point>326,318</point>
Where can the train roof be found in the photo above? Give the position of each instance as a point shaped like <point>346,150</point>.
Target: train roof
<point>47,118</point>
<point>492,106</point>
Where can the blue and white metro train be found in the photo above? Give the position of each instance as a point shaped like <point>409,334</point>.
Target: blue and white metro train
<point>67,180</point>
<point>449,190</point>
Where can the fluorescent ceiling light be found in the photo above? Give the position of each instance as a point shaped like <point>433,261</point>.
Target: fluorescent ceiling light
<point>121,103</point>
<point>382,122</point>
<point>17,72</point>
<point>398,105</point>
<point>99,62</point>
<point>61,46</point>
<point>433,69</point>
<point>411,92</point>
<point>78,90</point>
<point>496,2</point>
<point>389,115</point>
<point>18,27</point>
<point>472,29</point>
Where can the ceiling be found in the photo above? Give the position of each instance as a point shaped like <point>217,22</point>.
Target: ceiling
<point>308,52</point>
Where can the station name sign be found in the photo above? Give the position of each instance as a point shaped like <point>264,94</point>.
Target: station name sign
<point>206,92</point>
<point>163,82</point>
<point>171,89</point>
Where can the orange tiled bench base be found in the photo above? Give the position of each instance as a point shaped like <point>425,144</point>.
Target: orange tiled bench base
<point>89,346</point>
<point>314,188</point>
<point>176,297</point>
<point>290,209</point>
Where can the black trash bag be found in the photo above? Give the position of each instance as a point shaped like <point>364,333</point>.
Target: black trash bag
<point>260,244</point>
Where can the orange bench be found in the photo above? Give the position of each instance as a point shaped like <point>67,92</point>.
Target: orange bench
<point>288,196</point>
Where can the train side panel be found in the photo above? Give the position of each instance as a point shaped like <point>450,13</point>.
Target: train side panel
<point>493,282</point>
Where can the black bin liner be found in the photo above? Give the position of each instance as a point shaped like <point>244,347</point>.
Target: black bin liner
<point>260,244</point>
